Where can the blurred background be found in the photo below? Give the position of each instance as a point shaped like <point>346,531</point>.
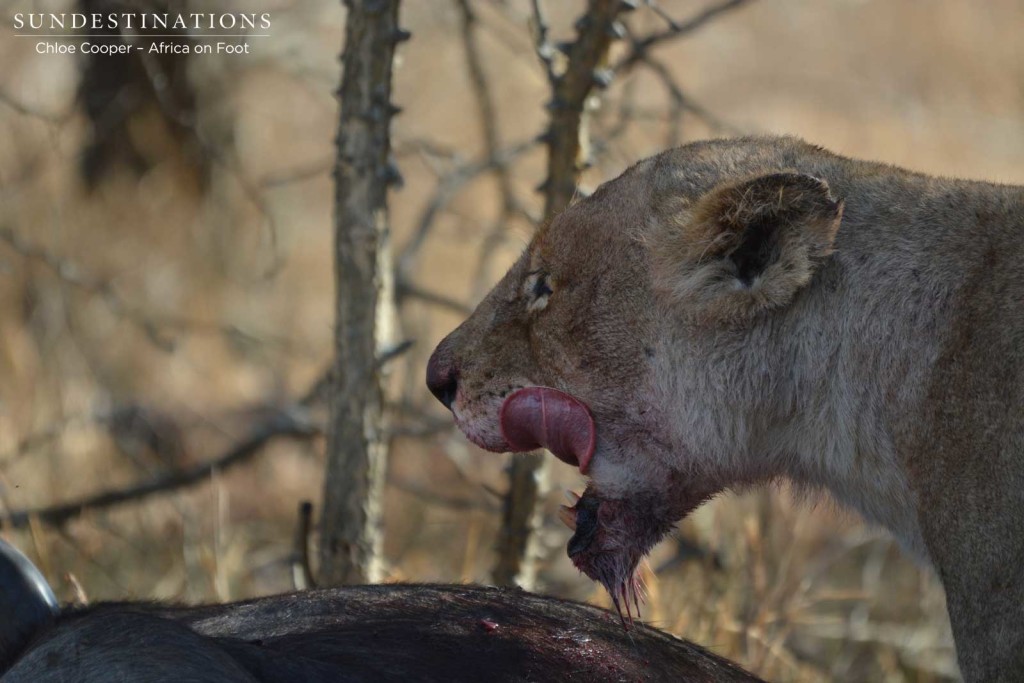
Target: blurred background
<point>166,285</point>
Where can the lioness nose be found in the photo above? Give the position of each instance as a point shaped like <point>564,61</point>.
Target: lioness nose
<point>442,377</point>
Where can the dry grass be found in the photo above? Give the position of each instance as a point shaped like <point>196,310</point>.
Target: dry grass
<point>243,290</point>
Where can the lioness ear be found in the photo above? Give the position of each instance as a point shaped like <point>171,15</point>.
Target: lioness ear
<point>744,247</point>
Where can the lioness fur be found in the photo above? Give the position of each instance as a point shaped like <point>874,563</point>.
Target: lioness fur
<point>736,311</point>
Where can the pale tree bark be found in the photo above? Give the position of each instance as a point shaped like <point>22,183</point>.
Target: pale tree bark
<point>585,69</point>
<point>350,537</point>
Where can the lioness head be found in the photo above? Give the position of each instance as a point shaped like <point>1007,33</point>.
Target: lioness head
<point>620,340</point>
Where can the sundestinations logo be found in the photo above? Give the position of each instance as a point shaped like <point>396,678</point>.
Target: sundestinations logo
<point>117,33</point>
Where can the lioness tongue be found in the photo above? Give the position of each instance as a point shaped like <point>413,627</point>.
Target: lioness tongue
<point>539,417</point>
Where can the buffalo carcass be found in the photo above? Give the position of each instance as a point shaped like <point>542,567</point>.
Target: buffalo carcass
<point>364,633</point>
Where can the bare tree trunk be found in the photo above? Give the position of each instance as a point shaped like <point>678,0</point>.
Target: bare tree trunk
<point>587,57</point>
<point>356,443</point>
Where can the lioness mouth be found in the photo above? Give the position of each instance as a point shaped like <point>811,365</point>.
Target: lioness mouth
<point>541,417</point>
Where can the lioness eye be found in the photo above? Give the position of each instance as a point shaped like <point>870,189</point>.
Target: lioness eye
<point>541,287</point>
<point>537,289</point>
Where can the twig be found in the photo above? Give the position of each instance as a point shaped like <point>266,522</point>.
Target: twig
<point>626,115</point>
<point>25,110</point>
<point>489,122</point>
<point>503,24</point>
<point>421,431</point>
<point>447,189</point>
<point>656,8</point>
<point>481,87</point>
<point>424,425</point>
<point>81,598</point>
<point>308,171</point>
<point>155,329</point>
<point>43,438</point>
<point>318,391</point>
<point>675,30</point>
<point>407,290</point>
<point>302,570</point>
<point>424,147</point>
<point>681,102</point>
<point>442,500</point>
<point>74,276</point>
<point>396,351</point>
<point>293,424</point>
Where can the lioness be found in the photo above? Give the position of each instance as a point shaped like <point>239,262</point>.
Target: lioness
<point>735,311</point>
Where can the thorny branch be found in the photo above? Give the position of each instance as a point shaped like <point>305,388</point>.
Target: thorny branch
<point>641,46</point>
<point>585,70</point>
